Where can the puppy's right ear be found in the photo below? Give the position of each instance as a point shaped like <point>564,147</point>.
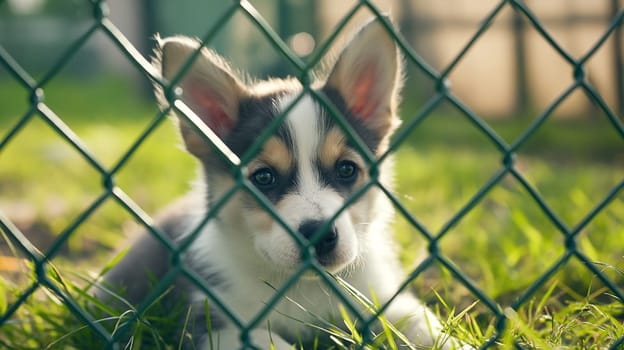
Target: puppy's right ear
<point>209,88</point>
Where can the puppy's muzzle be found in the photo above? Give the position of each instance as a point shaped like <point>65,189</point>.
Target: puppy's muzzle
<point>328,240</point>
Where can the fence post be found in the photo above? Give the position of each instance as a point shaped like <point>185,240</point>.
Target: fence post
<point>290,22</point>
<point>618,62</point>
<point>522,101</point>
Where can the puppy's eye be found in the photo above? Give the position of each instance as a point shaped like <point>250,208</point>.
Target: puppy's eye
<point>346,171</point>
<point>263,178</point>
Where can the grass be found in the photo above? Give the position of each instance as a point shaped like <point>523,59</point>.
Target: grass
<point>503,244</point>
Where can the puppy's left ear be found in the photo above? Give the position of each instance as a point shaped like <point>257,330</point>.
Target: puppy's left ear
<point>367,77</point>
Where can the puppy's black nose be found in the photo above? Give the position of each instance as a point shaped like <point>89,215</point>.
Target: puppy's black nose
<point>328,240</point>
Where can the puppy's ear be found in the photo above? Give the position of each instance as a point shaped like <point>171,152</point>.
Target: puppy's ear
<point>209,88</point>
<point>367,76</point>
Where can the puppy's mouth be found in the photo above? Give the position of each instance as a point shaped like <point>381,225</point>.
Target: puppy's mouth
<point>330,267</point>
<point>330,263</point>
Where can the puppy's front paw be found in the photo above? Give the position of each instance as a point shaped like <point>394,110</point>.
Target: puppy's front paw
<point>230,338</point>
<point>454,344</point>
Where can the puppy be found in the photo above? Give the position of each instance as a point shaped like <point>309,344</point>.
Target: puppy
<point>332,217</point>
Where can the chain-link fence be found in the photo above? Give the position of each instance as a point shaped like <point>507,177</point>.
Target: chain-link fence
<point>46,278</point>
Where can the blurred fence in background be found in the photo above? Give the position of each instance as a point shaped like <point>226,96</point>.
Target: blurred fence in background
<point>516,71</point>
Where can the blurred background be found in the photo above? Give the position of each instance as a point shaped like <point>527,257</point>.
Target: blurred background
<point>508,78</point>
<point>512,69</point>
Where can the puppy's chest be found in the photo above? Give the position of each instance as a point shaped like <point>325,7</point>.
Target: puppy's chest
<point>305,303</point>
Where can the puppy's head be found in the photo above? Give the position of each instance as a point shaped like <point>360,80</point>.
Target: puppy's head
<point>308,169</point>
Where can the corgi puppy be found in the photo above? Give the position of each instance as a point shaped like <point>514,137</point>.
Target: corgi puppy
<point>332,218</point>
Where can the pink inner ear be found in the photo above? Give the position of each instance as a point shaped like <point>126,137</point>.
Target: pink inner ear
<point>365,102</point>
<point>210,107</point>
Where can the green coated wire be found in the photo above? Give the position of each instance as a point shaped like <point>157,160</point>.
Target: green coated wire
<point>111,191</point>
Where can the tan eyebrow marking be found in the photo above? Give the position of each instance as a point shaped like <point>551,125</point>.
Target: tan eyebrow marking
<point>333,148</point>
<point>275,154</point>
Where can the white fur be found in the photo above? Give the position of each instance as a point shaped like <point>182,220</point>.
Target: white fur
<point>255,270</point>
<point>311,201</point>
<point>255,254</point>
